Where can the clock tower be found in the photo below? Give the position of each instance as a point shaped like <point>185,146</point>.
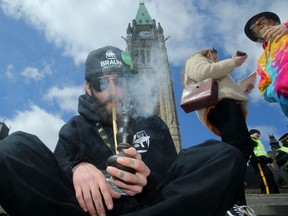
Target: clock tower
<point>146,43</point>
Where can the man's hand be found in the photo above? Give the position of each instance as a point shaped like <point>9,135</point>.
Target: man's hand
<point>131,184</point>
<point>275,32</point>
<point>92,189</point>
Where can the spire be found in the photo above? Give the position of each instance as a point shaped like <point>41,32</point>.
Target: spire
<point>273,142</point>
<point>143,17</point>
<point>129,29</point>
<point>160,29</point>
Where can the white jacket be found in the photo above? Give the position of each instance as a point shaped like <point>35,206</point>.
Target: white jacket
<point>198,68</point>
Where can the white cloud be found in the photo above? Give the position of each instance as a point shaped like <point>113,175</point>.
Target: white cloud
<point>10,71</point>
<point>80,26</point>
<point>38,122</point>
<point>66,97</point>
<point>32,73</point>
<point>76,27</point>
<point>35,73</point>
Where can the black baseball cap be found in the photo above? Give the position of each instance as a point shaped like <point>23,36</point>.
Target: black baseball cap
<point>106,60</point>
<point>247,29</point>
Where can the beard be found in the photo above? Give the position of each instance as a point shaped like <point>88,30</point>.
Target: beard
<point>100,109</point>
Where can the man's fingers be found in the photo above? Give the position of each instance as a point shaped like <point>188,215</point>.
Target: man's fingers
<point>135,164</point>
<point>89,201</point>
<point>80,199</point>
<point>105,191</point>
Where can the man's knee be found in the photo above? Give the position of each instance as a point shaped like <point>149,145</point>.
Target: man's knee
<point>230,153</point>
<point>18,142</point>
<point>226,154</point>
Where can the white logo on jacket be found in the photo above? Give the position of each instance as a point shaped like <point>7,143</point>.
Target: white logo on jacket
<point>141,142</point>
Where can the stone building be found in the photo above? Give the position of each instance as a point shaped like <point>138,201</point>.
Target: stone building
<point>146,43</point>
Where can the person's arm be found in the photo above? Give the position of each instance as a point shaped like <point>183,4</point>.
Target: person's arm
<point>158,151</point>
<point>276,32</point>
<point>281,158</point>
<point>68,149</point>
<point>198,67</point>
<point>92,191</point>
<point>152,165</point>
<point>130,183</point>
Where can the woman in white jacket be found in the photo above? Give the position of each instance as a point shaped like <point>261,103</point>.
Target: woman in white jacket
<point>228,117</point>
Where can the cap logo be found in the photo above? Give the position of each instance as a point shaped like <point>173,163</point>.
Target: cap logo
<point>111,61</point>
<point>110,54</point>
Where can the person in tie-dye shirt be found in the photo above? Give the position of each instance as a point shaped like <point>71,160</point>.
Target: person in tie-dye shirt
<point>266,28</point>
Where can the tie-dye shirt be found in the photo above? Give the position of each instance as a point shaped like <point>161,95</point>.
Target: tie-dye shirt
<point>273,71</point>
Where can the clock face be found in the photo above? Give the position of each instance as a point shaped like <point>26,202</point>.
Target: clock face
<point>145,34</point>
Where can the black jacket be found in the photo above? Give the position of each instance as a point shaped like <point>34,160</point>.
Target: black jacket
<point>281,158</point>
<point>79,140</point>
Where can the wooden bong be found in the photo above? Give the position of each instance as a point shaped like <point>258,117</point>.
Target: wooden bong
<point>123,136</point>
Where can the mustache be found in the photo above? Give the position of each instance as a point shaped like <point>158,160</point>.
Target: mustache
<point>112,98</point>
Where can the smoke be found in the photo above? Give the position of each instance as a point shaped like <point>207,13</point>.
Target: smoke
<point>143,89</point>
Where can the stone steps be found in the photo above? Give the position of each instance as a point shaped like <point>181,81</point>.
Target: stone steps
<point>272,204</point>
<point>268,204</point>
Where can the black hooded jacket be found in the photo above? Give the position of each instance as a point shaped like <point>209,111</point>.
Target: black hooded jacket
<point>79,141</point>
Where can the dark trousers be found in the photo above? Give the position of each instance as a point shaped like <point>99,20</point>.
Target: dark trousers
<point>31,182</point>
<point>266,178</point>
<point>228,118</point>
<point>200,182</point>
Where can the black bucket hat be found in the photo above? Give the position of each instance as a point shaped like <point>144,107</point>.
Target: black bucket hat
<point>106,60</point>
<point>247,29</point>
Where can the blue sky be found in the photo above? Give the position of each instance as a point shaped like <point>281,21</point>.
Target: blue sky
<point>44,45</point>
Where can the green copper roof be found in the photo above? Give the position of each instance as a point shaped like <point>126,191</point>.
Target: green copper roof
<point>143,17</point>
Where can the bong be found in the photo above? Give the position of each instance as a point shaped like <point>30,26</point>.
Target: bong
<point>124,137</point>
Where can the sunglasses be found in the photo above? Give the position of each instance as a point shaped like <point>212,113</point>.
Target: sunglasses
<point>257,22</point>
<point>102,83</point>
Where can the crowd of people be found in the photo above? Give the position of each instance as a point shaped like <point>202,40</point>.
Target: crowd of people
<point>76,180</point>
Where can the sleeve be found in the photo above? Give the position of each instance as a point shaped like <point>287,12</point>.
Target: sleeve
<point>68,150</point>
<point>286,24</point>
<point>199,68</point>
